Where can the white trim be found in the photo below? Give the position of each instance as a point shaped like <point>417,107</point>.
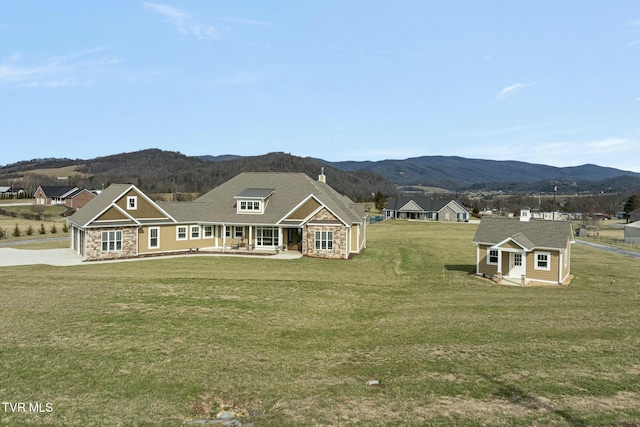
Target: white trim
<point>204,233</point>
<point>157,246</point>
<point>186,232</point>
<point>132,206</point>
<point>535,260</point>
<point>489,256</point>
<point>194,227</point>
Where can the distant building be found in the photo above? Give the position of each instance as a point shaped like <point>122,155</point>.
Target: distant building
<point>67,195</point>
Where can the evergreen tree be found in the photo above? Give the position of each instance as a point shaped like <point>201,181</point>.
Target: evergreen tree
<point>16,231</point>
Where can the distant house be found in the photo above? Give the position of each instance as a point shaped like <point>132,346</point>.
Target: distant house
<point>524,250</point>
<point>634,215</point>
<point>67,195</point>
<point>425,208</point>
<point>11,191</point>
<point>252,212</point>
<point>632,233</point>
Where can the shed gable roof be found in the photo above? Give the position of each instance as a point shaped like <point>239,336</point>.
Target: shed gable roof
<point>528,234</point>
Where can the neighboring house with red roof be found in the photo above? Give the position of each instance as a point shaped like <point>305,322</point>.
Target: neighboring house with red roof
<point>261,212</point>
<point>524,250</point>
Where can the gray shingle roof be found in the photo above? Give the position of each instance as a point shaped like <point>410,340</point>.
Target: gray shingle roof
<point>288,191</point>
<point>530,234</point>
<point>98,204</point>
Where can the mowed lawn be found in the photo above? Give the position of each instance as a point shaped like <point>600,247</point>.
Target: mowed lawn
<point>174,341</point>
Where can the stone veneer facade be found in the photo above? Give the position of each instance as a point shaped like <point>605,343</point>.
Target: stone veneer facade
<point>339,236</point>
<point>93,244</point>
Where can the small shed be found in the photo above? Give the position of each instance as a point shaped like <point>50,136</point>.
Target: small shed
<point>632,233</point>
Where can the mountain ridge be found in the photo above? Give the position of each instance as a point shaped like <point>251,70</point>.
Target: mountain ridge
<point>159,170</point>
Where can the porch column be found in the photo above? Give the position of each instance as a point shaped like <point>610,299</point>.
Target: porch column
<point>280,244</point>
<point>524,268</point>
<point>500,264</point>
<point>224,236</point>
<point>249,239</point>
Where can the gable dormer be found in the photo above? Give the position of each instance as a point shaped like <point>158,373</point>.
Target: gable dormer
<point>253,200</point>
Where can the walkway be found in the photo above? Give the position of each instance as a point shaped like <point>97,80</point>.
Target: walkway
<point>66,257</point>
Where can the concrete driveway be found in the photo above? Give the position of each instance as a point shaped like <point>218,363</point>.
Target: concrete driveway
<point>58,257</point>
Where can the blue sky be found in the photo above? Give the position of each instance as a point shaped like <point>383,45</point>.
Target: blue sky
<point>551,82</point>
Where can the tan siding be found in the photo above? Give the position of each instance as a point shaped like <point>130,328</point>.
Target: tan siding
<point>354,239</point>
<point>111,214</point>
<point>144,208</point>
<point>305,210</point>
<point>483,268</point>
<point>169,241</point>
<point>549,276</point>
<point>511,245</point>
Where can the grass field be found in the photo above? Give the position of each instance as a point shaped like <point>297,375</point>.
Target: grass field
<point>289,343</point>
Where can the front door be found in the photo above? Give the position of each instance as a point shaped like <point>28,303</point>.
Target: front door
<point>515,264</point>
<point>293,239</point>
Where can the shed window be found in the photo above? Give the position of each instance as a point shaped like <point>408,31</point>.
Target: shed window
<point>543,261</point>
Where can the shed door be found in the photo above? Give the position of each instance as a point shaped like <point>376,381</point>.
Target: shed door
<point>515,264</point>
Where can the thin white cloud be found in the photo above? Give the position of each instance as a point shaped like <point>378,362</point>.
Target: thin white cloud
<point>510,89</point>
<point>182,21</point>
<point>56,71</point>
<point>250,22</point>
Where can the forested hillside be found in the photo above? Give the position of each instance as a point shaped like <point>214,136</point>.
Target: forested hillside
<point>157,171</point>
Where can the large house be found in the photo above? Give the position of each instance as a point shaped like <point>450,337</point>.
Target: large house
<point>425,208</point>
<point>67,195</point>
<point>261,212</point>
<point>524,250</point>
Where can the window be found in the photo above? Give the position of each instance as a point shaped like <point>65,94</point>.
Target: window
<point>492,258</point>
<point>111,241</point>
<point>227,231</point>
<point>132,203</point>
<point>250,206</point>
<point>181,232</point>
<point>239,232</point>
<point>517,259</point>
<point>195,231</point>
<point>266,236</point>
<point>154,237</point>
<point>543,261</point>
<point>207,231</point>
<point>324,240</point>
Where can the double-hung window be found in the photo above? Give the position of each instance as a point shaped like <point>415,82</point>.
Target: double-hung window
<point>207,231</point>
<point>111,241</point>
<point>154,237</point>
<point>181,232</point>
<point>195,231</point>
<point>324,240</point>
<point>543,261</point>
<point>132,203</point>
<point>492,257</point>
